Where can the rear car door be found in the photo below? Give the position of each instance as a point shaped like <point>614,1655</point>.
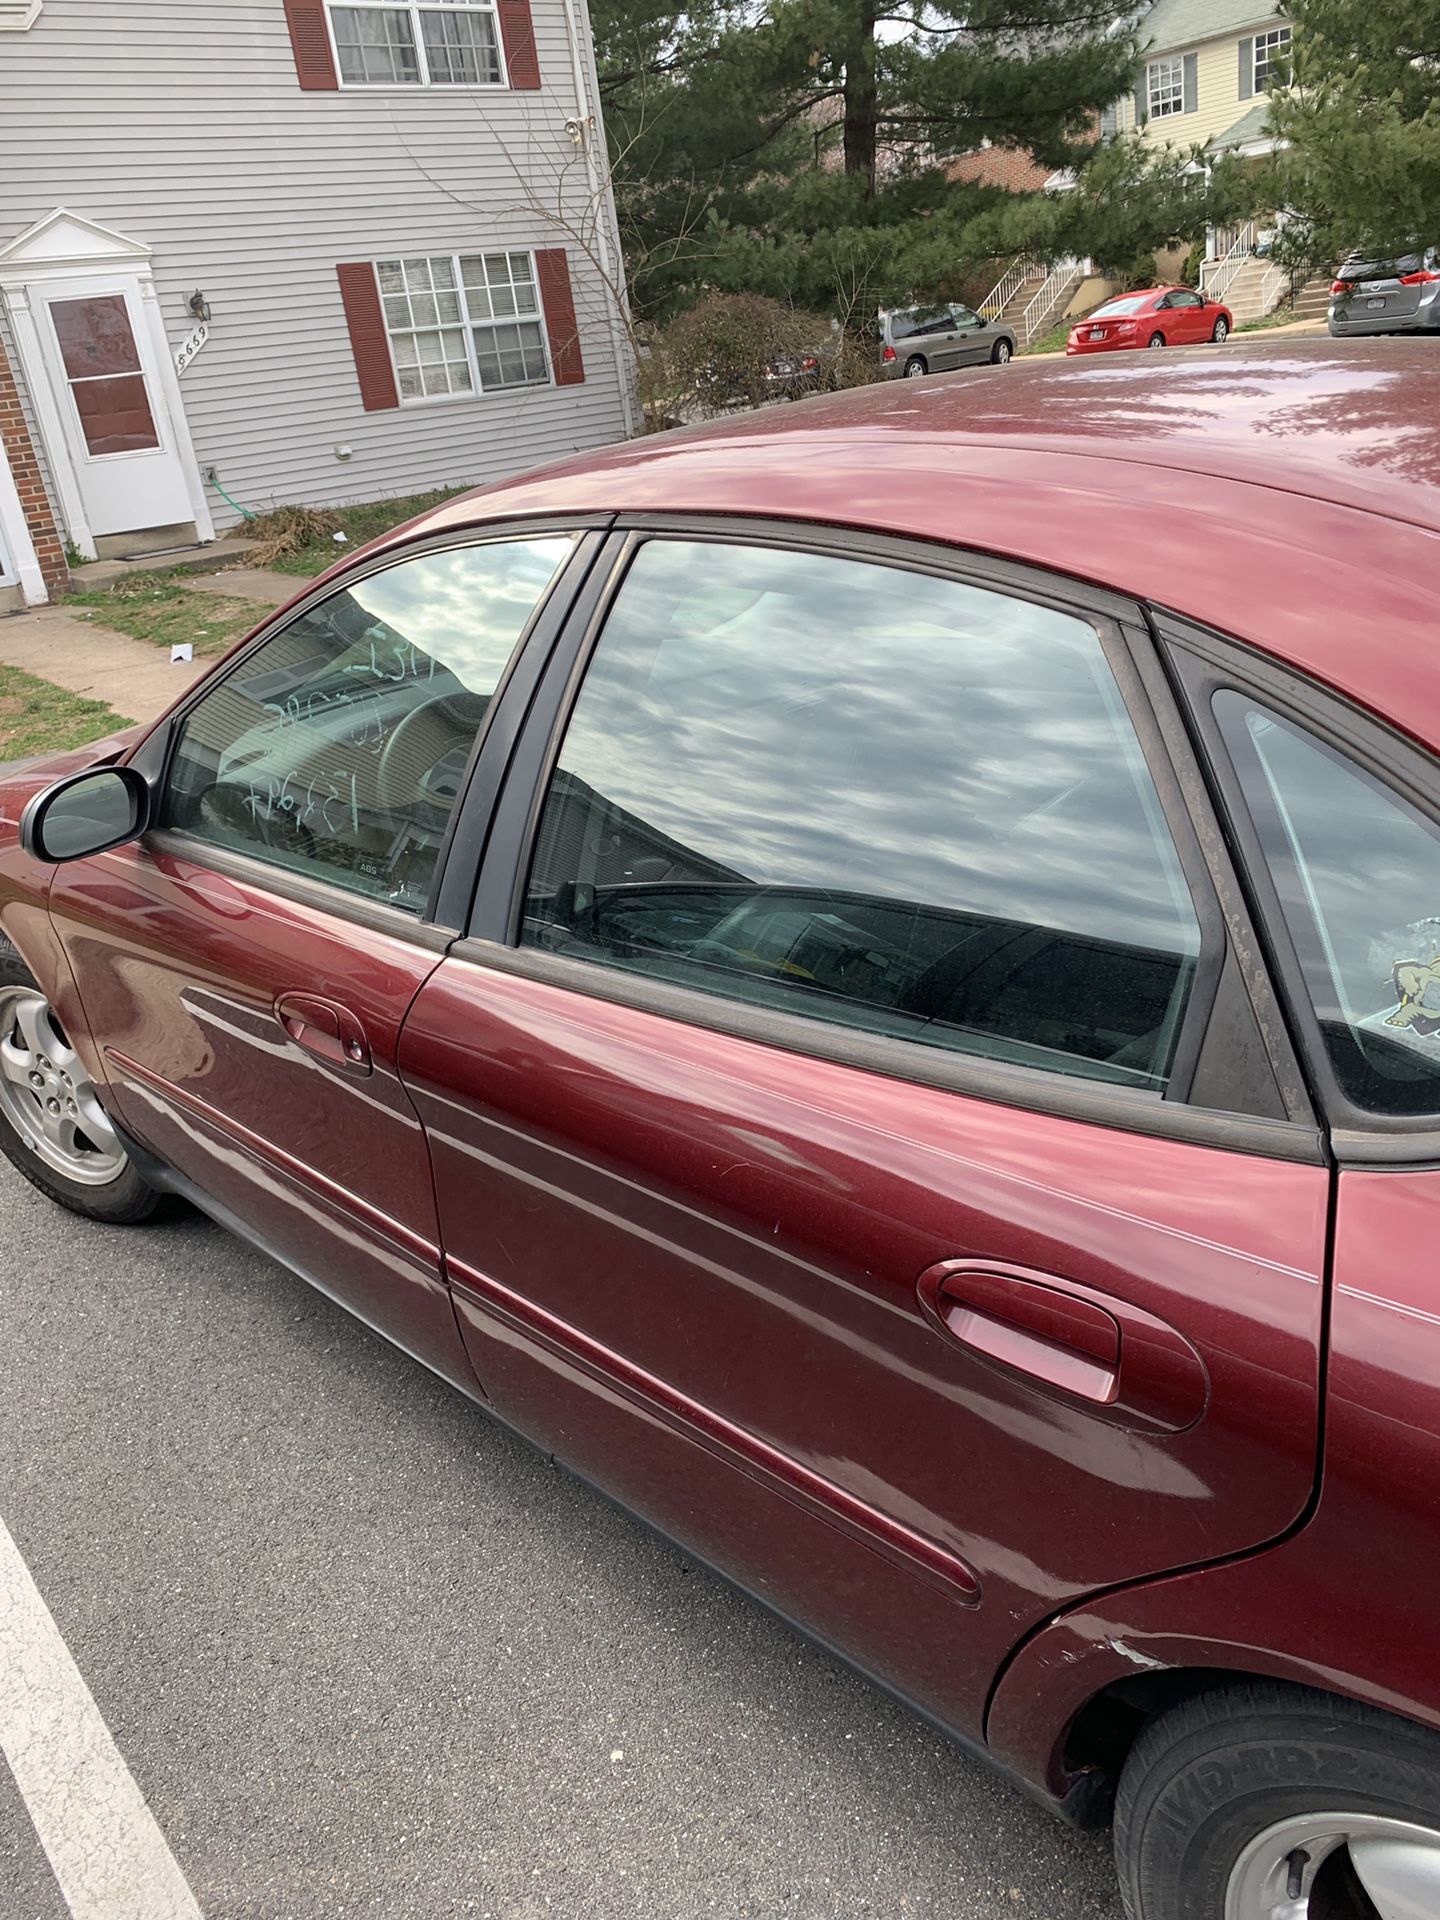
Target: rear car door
<point>1338,818</point>
<point>250,963</point>
<point>840,1145</point>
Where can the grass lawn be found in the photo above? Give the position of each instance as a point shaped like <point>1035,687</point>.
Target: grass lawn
<point>1051,342</point>
<point>1281,317</point>
<point>302,540</point>
<point>38,718</point>
<point>161,608</point>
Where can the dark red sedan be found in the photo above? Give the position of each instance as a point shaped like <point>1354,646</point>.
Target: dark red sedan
<point>869,977</point>
<point>1158,317</point>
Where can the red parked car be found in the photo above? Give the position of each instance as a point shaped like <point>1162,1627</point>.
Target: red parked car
<point>1159,317</point>
<point>869,977</point>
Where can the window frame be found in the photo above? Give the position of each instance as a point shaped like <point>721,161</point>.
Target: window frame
<point>425,84</point>
<point>1278,40</point>
<point>1163,89</point>
<point>1244,1106</point>
<point>1203,664</point>
<point>467,327</point>
<point>443,916</point>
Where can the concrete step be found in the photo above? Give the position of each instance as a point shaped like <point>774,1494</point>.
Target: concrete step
<point>209,558</point>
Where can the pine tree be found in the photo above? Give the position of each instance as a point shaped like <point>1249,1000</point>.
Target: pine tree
<point>799,147</point>
<point>1362,122</point>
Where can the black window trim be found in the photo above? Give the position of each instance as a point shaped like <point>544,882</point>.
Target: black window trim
<point>446,908</point>
<point>1202,664</point>
<point>1258,1122</point>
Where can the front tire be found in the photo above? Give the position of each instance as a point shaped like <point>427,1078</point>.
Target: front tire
<point>1221,331</point>
<point>1270,1802</point>
<point>915,367</point>
<point>1000,353</point>
<point>1156,340</point>
<point>53,1128</point>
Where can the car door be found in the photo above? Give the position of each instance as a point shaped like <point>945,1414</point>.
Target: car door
<point>971,337</point>
<point>834,1156</point>
<point>1339,820</point>
<point>934,337</point>
<point>245,969</point>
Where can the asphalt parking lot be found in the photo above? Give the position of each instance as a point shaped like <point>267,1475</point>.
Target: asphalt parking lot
<point>367,1655</point>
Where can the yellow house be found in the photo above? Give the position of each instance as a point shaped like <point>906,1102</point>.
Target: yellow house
<point>1204,72</point>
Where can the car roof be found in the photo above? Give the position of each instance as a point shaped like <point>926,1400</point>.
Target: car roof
<point>1283,491</point>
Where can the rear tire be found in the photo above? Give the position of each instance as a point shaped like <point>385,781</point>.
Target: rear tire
<point>47,1101</point>
<point>1156,340</point>
<point>1221,331</point>
<point>915,367</point>
<point>1270,1802</point>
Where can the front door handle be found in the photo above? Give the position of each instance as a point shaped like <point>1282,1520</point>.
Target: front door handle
<point>326,1029</point>
<point>1123,1363</point>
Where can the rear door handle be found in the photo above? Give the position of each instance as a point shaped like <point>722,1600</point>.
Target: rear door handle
<point>1123,1363</point>
<point>326,1029</point>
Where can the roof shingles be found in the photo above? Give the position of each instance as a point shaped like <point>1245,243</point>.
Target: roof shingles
<point>1184,23</point>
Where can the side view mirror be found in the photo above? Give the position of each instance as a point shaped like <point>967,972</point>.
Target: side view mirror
<point>85,813</point>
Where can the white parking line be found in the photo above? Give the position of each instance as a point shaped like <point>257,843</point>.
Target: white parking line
<point>101,1839</point>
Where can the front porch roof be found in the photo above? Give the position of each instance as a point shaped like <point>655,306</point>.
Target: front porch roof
<point>1251,132</point>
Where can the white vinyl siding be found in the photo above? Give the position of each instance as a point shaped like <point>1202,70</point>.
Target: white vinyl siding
<point>463,323</point>
<point>402,43</point>
<point>1165,88</point>
<point>252,192</point>
<point>1272,53</point>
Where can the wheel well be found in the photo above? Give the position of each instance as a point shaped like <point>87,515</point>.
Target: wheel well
<point>1099,1738</point>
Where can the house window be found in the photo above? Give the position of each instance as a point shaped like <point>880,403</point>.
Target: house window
<point>1272,53</point>
<point>463,323</point>
<point>1165,86</point>
<point>397,43</point>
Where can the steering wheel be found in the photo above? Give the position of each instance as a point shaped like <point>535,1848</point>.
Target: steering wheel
<point>415,744</point>
<point>225,810</point>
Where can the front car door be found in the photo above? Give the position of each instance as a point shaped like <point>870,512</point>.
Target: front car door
<point>831,1152</point>
<point>251,962</point>
<point>972,337</point>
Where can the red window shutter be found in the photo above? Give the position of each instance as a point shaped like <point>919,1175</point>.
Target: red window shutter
<point>366,319</point>
<point>517,30</point>
<point>310,37</point>
<point>553,271</point>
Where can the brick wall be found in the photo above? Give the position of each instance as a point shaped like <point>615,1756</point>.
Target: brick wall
<point>1007,167</point>
<point>25,470</point>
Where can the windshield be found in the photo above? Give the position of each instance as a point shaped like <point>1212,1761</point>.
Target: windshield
<point>1128,303</point>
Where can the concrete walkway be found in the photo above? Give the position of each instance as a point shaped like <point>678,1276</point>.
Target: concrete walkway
<point>251,583</point>
<point>130,676</point>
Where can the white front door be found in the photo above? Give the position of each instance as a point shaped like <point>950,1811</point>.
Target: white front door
<point>104,373</point>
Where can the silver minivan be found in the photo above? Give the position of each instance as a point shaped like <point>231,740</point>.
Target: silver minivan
<point>1400,295</point>
<point>934,339</point>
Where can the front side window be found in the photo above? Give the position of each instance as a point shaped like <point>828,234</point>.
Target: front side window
<point>1272,56</point>
<point>1165,87</point>
<point>463,323</point>
<point>879,799</point>
<point>338,747</point>
<point>1357,870</point>
<point>395,43</point>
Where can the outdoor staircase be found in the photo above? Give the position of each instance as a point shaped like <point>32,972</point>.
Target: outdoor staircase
<point>1254,290</point>
<point>1031,297</point>
<point>1312,302</point>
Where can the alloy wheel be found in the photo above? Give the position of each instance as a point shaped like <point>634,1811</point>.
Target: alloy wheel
<point>47,1096</point>
<point>1337,1866</point>
<point>1222,329</point>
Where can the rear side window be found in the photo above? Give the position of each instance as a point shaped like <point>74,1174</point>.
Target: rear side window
<point>873,797</point>
<point>1357,870</point>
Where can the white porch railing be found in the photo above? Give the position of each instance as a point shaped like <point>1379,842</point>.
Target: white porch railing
<point>1053,289</point>
<point>1216,275</point>
<point>1020,270</point>
<point>1272,287</point>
